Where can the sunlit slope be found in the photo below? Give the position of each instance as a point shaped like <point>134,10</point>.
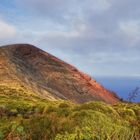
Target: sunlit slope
<point>26,66</point>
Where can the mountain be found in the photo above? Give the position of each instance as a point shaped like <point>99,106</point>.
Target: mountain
<point>27,67</point>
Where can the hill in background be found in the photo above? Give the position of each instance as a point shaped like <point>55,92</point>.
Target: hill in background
<point>32,69</point>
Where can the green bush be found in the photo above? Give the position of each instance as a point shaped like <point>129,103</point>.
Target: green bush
<point>24,115</point>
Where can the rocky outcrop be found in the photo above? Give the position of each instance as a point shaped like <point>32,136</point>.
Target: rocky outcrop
<point>26,66</point>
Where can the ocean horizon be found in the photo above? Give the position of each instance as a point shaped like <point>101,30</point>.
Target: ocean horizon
<point>121,85</point>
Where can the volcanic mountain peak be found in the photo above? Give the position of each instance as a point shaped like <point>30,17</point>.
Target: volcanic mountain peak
<point>27,66</point>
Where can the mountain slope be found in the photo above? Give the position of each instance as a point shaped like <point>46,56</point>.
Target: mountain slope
<point>30,68</point>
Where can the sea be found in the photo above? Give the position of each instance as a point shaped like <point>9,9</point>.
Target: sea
<point>121,85</point>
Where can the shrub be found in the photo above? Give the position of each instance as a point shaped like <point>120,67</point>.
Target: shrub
<point>24,115</point>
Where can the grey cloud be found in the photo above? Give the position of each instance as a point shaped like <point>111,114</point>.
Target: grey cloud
<point>102,20</point>
<point>55,10</point>
<point>91,34</point>
<point>64,10</point>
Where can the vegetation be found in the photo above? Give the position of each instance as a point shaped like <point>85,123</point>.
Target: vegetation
<point>24,116</point>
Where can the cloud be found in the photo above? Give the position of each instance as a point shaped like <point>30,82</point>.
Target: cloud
<point>7,30</point>
<point>54,10</point>
<point>98,36</point>
<point>131,32</point>
<point>64,10</point>
<point>102,20</point>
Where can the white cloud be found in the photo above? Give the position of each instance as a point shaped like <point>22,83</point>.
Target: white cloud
<point>131,31</point>
<point>96,5</point>
<point>7,31</point>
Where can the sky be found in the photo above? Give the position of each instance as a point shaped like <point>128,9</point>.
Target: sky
<point>100,37</point>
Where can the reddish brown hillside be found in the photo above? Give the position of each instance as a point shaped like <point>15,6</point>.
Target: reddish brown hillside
<point>26,66</point>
